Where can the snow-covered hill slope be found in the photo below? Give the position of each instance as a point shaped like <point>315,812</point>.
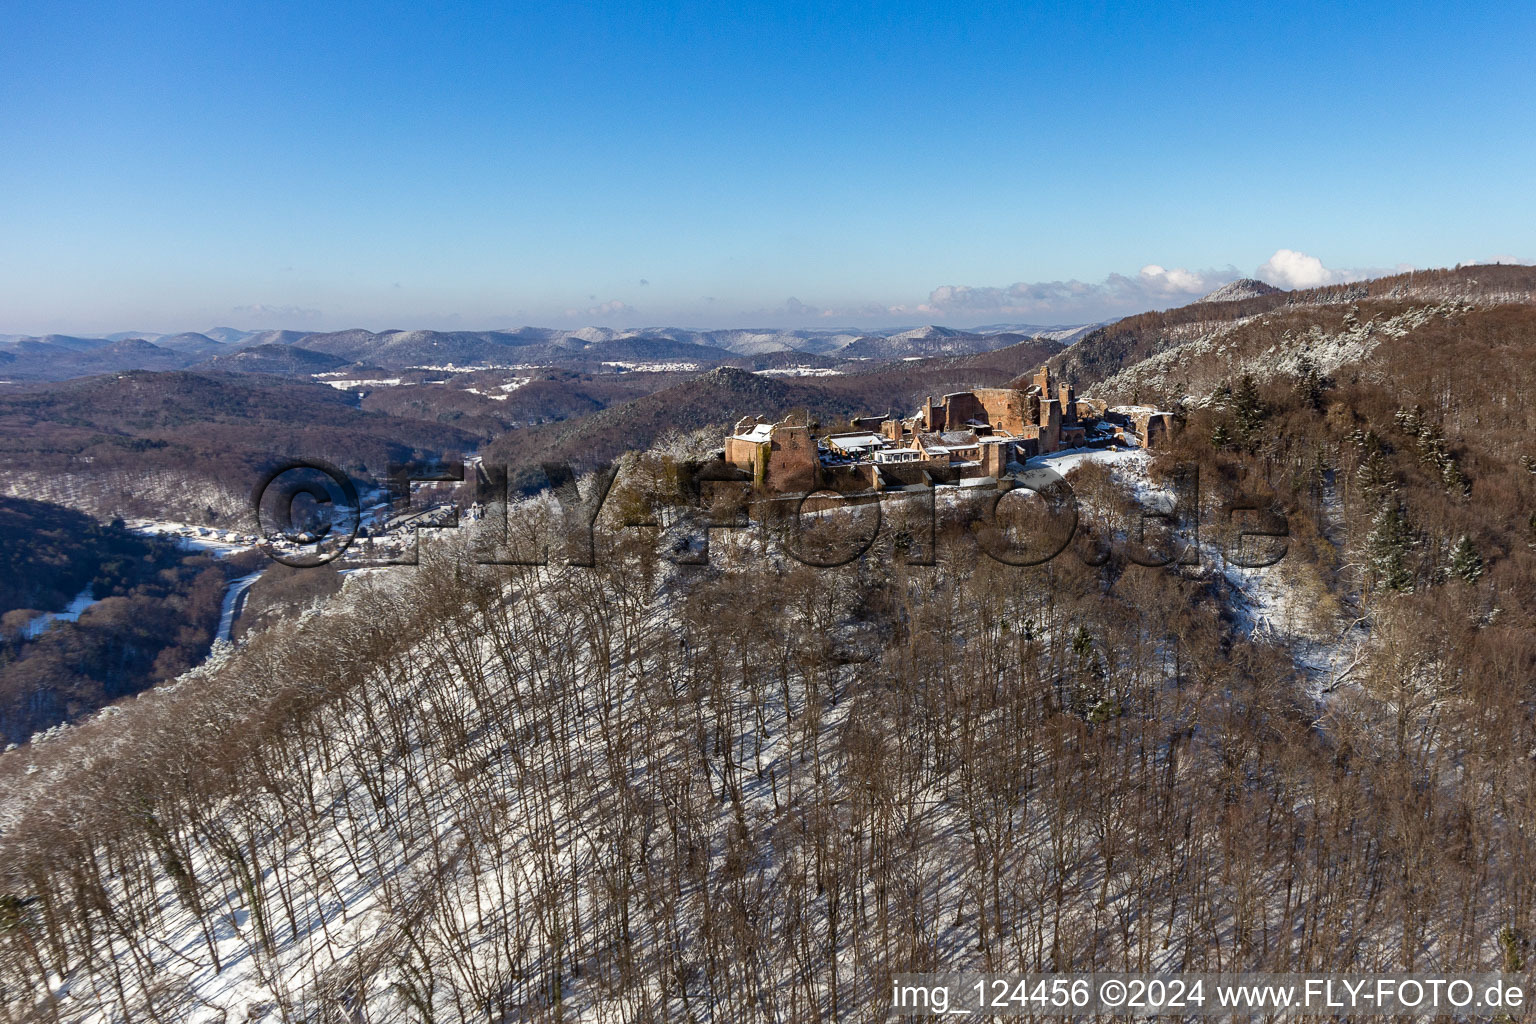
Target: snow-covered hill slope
<point>1184,354</point>
<point>1242,288</point>
<point>746,790</point>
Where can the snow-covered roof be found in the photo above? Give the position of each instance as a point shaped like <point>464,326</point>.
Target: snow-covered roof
<point>864,440</point>
<point>942,442</point>
<point>758,434</point>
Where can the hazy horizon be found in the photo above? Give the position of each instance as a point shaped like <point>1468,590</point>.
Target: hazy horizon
<point>1118,295</point>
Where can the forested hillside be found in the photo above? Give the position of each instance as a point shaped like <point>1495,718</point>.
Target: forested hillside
<point>1190,342</point>
<point>50,554</point>
<point>140,611</point>
<point>192,445</point>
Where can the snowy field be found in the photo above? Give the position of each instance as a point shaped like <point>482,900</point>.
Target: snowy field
<point>195,538</point>
<point>801,371</point>
<point>650,367</point>
<point>1068,459</point>
<point>354,383</point>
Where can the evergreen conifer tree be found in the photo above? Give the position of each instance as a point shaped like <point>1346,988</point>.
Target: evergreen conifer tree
<point>1466,563</point>
<point>1387,548</point>
<point>1309,384</point>
<point>1374,475</point>
<point>1248,410</point>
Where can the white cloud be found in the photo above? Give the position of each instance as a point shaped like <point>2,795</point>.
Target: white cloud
<point>1288,268</point>
<point>1152,287</point>
<point>1177,281</point>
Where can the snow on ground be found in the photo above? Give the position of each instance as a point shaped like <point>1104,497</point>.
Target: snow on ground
<point>501,392</point>
<point>349,882</point>
<point>232,601</point>
<point>352,383</point>
<point>477,367</point>
<point>1270,609</point>
<point>347,893</point>
<point>1268,602</point>
<point>801,371</point>
<point>1269,606</point>
<point>624,367</point>
<point>82,601</point>
<point>1068,459</point>
<point>195,538</point>
<point>110,494</point>
<point>1327,351</point>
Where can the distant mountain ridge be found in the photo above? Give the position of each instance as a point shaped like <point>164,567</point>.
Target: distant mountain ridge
<point>1095,352</point>
<point>60,357</point>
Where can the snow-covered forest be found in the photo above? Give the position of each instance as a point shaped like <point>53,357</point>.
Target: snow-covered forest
<point>754,790</point>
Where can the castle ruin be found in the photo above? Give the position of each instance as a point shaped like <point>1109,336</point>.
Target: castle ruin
<point>968,438</point>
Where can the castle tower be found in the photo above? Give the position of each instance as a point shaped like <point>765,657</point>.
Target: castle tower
<point>995,457</point>
<point>1043,382</point>
<point>791,458</point>
<point>1050,425</point>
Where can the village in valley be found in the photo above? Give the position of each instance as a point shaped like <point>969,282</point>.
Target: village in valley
<point>974,438</point>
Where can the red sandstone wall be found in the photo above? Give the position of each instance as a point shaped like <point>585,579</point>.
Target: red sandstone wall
<point>959,408</point>
<point>792,463</point>
<point>1006,409</point>
<point>741,454</point>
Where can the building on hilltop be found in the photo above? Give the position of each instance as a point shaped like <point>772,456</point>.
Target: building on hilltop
<point>1050,418</point>
<point>1153,426</point>
<point>782,452</point>
<point>967,437</point>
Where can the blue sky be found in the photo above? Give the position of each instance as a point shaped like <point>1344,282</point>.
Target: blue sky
<point>822,164</point>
